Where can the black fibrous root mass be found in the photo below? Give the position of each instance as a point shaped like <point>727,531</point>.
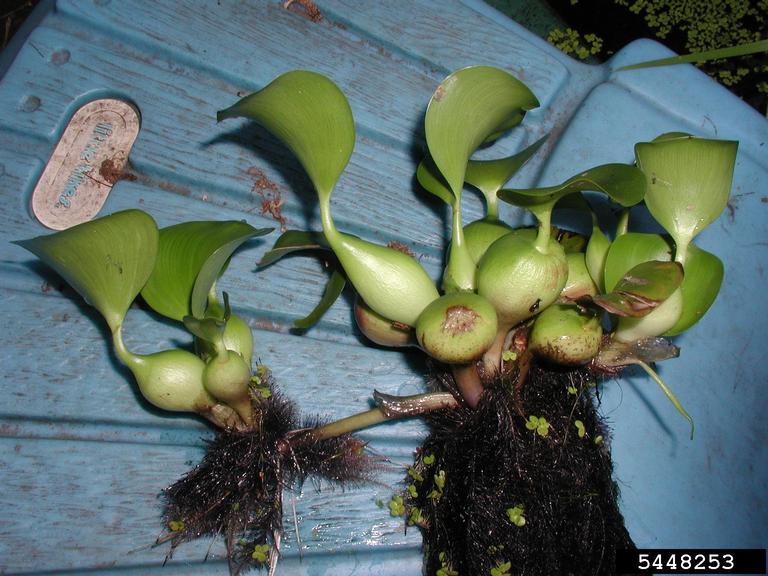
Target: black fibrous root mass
<point>522,485</point>
<point>236,490</point>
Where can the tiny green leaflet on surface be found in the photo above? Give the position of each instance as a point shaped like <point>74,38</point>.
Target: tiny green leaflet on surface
<point>685,182</point>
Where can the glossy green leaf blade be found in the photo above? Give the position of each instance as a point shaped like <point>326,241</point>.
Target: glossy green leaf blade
<point>190,258</point>
<point>107,260</point>
<point>432,182</point>
<point>622,183</point>
<point>292,241</point>
<point>703,278</point>
<point>333,290</point>
<point>596,255</point>
<point>689,181</point>
<point>642,289</point>
<point>631,249</point>
<point>705,56</point>
<point>703,272</point>
<point>469,106</point>
<point>309,113</point>
<point>489,176</point>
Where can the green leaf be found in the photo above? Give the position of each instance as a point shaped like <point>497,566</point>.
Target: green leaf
<point>489,176</point>
<point>703,272</point>
<point>596,255</point>
<point>705,56</point>
<point>309,113</point>
<point>622,183</point>
<point>703,278</point>
<point>467,108</point>
<point>333,290</point>
<point>689,181</point>
<point>190,258</point>
<point>106,260</point>
<point>430,179</point>
<point>294,241</point>
<point>642,289</point>
<point>631,249</point>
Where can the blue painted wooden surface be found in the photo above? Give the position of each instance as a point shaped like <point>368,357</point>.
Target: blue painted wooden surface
<point>82,458</point>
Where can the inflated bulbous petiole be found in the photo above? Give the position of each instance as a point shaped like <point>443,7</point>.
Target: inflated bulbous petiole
<point>480,234</point>
<point>381,330</point>
<point>566,335</point>
<point>579,284</point>
<point>458,329</point>
<point>227,378</point>
<point>227,375</point>
<point>391,283</point>
<point>655,323</point>
<point>519,281</point>
<point>171,379</point>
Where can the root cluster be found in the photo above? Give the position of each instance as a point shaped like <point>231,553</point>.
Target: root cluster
<point>236,490</point>
<point>521,485</point>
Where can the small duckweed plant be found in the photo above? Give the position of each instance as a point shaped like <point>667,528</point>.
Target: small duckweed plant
<point>514,476</point>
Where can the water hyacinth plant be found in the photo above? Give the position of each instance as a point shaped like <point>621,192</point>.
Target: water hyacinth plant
<point>236,491</point>
<point>515,475</point>
<point>524,320</point>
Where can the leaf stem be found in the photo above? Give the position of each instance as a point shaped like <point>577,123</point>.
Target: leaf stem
<point>468,382</point>
<point>544,216</point>
<point>125,356</point>
<point>349,424</point>
<point>622,226</point>
<point>459,274</point>
<point>667,391</point>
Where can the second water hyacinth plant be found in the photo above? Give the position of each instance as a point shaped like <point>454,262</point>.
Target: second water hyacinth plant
<point>522,326</point>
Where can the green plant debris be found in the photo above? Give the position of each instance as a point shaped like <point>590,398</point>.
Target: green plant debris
<point>437,493</point>
<point>429,459</point>
<point>572,42</point>
<point>413,473</point>
<point>515,515</point>
<point>502,569</point>
<point>539,424</point>
<point>260,553</point>
<point>509,356</point>
<point>176,525</point>
<point>445,566</point>
<point>396,506</point>
<point>580,428</point>
<point>415,518</point>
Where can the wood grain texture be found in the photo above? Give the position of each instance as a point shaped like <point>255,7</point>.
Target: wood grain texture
<point>83,458</point>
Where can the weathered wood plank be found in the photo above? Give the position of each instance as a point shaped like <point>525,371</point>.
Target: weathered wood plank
<point>452,36</point>
<point>181,149</point>
<point>111,513</point>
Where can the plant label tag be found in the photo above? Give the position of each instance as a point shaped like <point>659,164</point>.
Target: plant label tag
<point>86,163</point>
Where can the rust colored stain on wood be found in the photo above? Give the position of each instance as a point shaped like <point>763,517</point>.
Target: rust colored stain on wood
<point>271,197</point>
<point>305,8</point>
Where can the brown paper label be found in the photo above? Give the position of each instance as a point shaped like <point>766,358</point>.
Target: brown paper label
<point>88,160</point>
